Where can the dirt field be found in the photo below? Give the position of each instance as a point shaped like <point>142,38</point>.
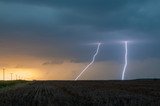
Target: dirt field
<point>80,93</point>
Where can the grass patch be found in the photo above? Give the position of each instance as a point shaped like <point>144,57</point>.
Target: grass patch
<point>6,84</point>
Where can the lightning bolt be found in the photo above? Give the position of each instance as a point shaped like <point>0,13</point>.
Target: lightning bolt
<point>93,59</point>
<point>126,59</point>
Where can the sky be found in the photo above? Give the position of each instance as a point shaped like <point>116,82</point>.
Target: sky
<point>54,39</point>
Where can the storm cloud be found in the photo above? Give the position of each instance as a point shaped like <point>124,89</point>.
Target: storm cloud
<point>63,30</point>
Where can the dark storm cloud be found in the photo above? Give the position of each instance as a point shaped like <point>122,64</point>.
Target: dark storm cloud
<point>57,28</point>
<point>53,62</point>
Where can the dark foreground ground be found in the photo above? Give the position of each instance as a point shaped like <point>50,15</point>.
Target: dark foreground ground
<point>83,93</point>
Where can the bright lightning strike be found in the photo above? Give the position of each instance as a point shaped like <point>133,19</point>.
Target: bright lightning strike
<point>93,59</point>
<point>126,59</point>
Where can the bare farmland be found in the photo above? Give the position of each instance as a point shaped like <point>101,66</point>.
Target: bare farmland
<point>80,93</point>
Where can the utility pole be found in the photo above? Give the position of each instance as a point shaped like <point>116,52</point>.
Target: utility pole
<point>3,74</point>
<point>11,76</point>
<point>16,77</point>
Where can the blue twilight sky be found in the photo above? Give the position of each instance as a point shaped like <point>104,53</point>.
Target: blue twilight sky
<point>62,31</point>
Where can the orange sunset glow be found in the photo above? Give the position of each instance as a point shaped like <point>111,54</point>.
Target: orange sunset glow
<point>23,74</point>
<point>33,68</point>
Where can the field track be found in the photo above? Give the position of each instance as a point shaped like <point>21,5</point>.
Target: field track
<point>81,93</point>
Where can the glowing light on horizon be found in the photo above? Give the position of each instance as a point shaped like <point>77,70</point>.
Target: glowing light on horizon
<point>126,59</point>
<point>26,73</point>
<point>93,59</point>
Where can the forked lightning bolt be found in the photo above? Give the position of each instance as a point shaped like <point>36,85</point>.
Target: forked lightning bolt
<point>93,59</point>
<point>126,59</point>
